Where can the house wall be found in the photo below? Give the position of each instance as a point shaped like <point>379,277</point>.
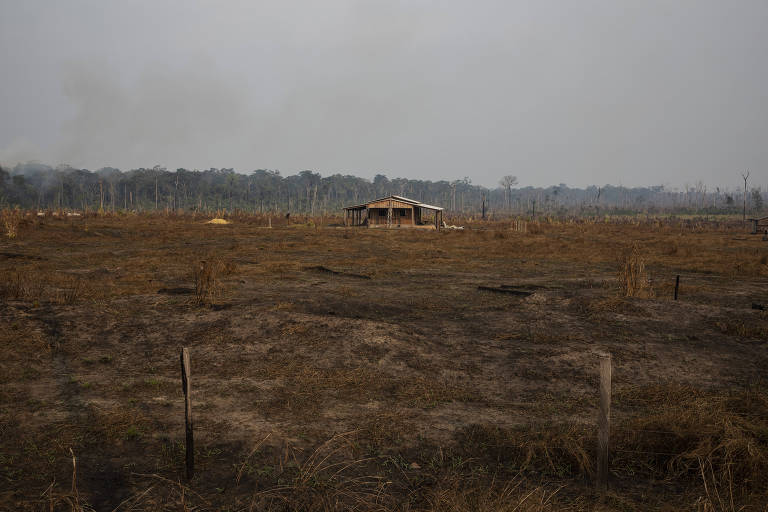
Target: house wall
<point>386,203</point>
<point>401,216</point>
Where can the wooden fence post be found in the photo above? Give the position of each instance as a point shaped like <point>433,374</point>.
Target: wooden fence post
<point>186,386</point>
<point>677,285</point>
<point>604,423</point>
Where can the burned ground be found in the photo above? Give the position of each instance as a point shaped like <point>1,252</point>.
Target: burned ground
<point>378,349</point>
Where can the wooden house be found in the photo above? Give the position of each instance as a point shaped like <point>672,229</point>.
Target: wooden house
<point>393,212</point>
<point>759,225</point>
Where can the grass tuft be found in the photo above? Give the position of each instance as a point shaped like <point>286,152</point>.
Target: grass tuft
<point>10,220</point>
<point>207,275</point>
<point>634,280</point>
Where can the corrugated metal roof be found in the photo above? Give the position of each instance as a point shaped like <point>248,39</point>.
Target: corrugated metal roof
<point>429,206</point>
<point>398,198</point>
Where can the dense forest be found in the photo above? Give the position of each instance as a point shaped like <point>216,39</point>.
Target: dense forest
<point>40,186</point>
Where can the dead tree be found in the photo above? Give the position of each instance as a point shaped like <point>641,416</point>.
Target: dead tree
<point>745,177</point>
<point>508,182</point>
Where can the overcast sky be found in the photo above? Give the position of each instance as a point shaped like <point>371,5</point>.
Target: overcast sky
<point>581,92</point>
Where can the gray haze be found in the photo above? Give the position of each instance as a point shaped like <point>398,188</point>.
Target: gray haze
<point>581,92</point>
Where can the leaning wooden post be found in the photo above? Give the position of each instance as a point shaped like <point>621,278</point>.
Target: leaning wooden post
<point>604,423</point>
<point>186,386</point>
<point>677,285</point>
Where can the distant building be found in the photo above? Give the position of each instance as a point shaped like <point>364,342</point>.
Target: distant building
<point>393,212</point>
<point>759,224</point>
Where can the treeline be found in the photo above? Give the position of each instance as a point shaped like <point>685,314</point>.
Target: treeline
<point>35,185</point>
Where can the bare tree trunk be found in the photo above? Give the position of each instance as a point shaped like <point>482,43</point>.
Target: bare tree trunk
<point>744,214</point>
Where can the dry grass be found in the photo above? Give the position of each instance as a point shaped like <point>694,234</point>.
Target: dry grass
<point>37,287</point>
<point>460,495</point>
<point>557,450</point>
<point>71,289</point>
<point>681,433</point>
<point>700,443</point>
<point>10,220</point>
<point>634,280</point>
<point>69,500</point>
<point>17,285</point>
<point>329,479</point>
<point>207,275</point>
<point>465,401</point>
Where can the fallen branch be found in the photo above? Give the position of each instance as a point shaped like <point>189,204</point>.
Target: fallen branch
<point>508,291</point>
<point>320,268</point>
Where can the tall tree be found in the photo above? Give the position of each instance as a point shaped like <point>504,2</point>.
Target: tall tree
<point>507,182</point>
<point>745,176</point>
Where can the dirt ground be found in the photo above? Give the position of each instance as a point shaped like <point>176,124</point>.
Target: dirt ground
<point>344,367</point>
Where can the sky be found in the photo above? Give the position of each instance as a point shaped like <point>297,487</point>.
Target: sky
<point>633,93</point>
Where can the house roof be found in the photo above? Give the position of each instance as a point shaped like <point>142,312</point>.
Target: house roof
<point>397,198</point>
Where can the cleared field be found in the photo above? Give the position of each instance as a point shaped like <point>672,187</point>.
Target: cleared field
<point>339,368</point>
